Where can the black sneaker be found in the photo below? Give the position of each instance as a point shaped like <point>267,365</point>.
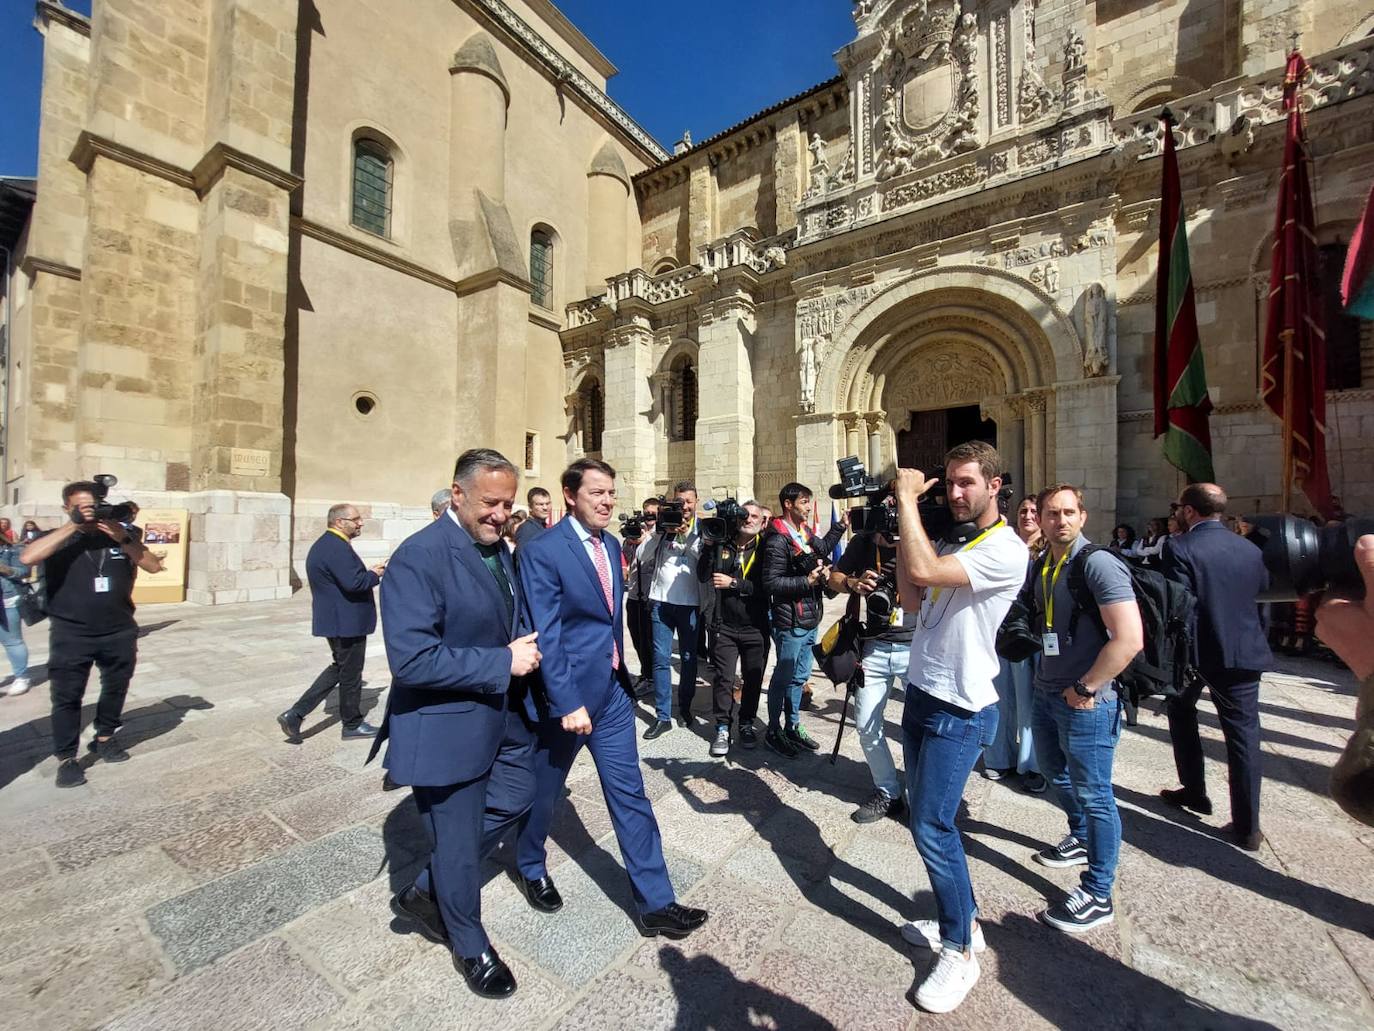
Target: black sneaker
<point>1034,783</point>
<point>1079,912</point>
<point>878,806</point>
<point>108,751</point>
<point>801,739</point>
<point>70,774</point>
<point>748,736</point>
<point>1069,852</point>
<point>777,741</point>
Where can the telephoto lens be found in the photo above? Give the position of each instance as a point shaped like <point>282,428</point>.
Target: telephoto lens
<point>1303,558</point>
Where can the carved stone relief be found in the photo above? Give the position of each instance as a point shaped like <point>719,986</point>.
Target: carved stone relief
<point>1096,357</point>
<point>941,377</point>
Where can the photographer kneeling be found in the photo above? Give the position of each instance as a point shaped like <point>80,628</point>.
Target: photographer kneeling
<point>88,565</point>
<point>868,568</point>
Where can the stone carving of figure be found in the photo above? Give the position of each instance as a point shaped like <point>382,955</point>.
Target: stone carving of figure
<point>775,257</point>
<point>1075,51</point>
<point>1095,357</point>
<point>820,167</point>
<point>1052,277</point>
<point>894,151</point>
<point>808,373</point>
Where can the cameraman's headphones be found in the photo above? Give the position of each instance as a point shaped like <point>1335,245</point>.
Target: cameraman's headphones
<point>961,533</point>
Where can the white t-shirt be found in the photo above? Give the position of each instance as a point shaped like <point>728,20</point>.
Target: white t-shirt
<point>952,651</point>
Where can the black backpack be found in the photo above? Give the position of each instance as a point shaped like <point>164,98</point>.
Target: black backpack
<point>1167,611</point>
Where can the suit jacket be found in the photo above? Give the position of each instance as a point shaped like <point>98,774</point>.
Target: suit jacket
<point>341,602</point>
<point>1226,573</point>
<point>446,632</point>
<point>576,630</point>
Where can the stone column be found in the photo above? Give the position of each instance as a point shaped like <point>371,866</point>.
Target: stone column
<point>875,421</point>
<point>478,100</point>
<point>608,193</point>
<point>628,440</point>
<point>852,422</point>
<point>725,397</point>
<point>1011,442</point>
<point>1085,436</point>
<point>1035,405</point>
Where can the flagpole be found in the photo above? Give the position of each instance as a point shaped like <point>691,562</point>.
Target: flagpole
<point>1286,501</point>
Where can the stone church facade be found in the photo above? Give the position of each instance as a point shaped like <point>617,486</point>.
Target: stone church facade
<point>288,254</point>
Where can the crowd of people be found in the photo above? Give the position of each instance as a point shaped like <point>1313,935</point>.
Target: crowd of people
<point>505,639</point>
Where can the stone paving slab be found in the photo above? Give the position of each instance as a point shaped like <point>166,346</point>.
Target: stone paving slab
<point>226,879</point>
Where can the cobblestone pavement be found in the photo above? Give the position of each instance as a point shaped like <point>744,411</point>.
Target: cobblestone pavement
<point>225,879</point>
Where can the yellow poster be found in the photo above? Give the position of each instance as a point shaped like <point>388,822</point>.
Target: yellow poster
<point>165,532</point>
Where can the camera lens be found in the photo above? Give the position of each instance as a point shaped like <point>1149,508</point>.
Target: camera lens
<point>1303,558</point>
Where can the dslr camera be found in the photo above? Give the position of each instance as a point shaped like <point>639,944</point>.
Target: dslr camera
<point>120,513</point>
<point>1303,558</point>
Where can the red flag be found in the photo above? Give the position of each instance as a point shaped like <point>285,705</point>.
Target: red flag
<point>1293,372</point>
<point>1357,285</point>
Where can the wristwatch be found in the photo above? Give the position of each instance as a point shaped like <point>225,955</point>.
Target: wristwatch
<point>1081,689</point>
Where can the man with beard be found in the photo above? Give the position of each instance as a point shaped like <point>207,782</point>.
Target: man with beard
<point>739,629</point>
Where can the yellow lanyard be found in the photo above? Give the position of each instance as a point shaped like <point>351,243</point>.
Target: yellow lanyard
<point>935,594</point>
<point>1047,592</point>
<point>749,562</point>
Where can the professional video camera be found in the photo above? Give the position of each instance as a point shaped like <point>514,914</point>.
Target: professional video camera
<point>632,525</point>
<point>120,513</point>
<point>877,516</point>
<point>1302,557</point>
<point>718,534</point>
<point>671,517</point>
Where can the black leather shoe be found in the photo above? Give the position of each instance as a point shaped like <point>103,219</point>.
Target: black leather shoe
<point>390,785</point>
<point>486,975</point>
<point>658,729</point>
<point>290,725</point>
<point>541,894</point>
<point>1185,799</point>
<point>672,921</point>
<point>1251,842</point>
<point>415,906</point>
<point>363,729</point>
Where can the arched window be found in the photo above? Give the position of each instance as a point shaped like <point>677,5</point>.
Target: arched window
<point>664,266</point>
<point>541,268</point>
<point>373,171</point>
<point>685,399</point>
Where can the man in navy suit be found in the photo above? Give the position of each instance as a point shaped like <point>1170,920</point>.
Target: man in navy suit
<point>572,583</point>
<point>451,621</point>
<point>1227,574</point>
<point>344,613</point>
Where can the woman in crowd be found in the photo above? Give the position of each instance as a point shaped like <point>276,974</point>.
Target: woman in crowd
<point>516,520</point>
<point>1012,749</point>
<point>7,534</point>
<point>1147,550</point>
<point>1123,540</point>
<point>31,532</point>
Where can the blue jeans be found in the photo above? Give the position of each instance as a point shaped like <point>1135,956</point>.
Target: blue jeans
<point>789,674</point>
<point>1013,747</point>
<point>885,663</point>
<point>1076,748</point>
<point>665,619</point>
<point>12,637</point>
<point>940,744</point>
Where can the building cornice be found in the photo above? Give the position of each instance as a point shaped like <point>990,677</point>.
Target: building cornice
<point>373,253</point>
<point>46,11</point>
<point>206,173</point>
<point>33,264</point>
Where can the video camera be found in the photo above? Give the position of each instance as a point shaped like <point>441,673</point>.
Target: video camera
<point>671,517</point>
<point>632,525</point>
<point>1303,558</point>
<point>718,534</point>
<point>877,516</point>
<point>120,513</point>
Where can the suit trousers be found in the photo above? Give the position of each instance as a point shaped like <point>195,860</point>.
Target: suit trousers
<point>613,748</point>
<point>466,822</point>
<point>1235,693</point>
<point>346,673</point>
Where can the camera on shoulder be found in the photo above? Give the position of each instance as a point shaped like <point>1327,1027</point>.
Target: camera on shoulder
<point>671,517</point>
<point>120,513</point>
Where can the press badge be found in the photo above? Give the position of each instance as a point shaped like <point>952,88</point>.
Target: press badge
<point>1049,644</point>
<point>102,585</point>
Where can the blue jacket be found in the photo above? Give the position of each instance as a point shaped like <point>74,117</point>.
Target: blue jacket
<point>576,629</point>
<point>1226,573</point>
<point>340,589</point>
<point>446,633</point>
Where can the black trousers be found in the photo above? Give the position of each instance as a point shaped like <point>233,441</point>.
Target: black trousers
<point>346,673</point>
<point>744,647</point>
<point>637,622</point>
<point>1235,693</point>
<point>70,657</point>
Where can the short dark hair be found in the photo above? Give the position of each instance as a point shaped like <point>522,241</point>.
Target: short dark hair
<point>536,492</point>
<point>572,475</point>
<point>79,487</point>
<point>1206,499</point>
<point>1058,488</point>
<point>980,451</point>
<point>682,486</point>
<point>791,492</point>
<point>651,501</point>
<point>478,459</point>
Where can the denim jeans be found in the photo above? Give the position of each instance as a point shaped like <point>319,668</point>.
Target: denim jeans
<point>666,619</point>
<point>1076,748</point>
<point>940,744</point>
<point>885,663</point>
<point>789,675</point>
<point>1013,747</point>
<point>12,637</point>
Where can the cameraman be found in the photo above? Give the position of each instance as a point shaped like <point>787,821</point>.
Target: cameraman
<point>636,593</point>
<point>961,589</point>
<point>1347,625</point>
<point>739,632</point>
<point>869,562</point>
<point>794,577</point>
<point>674,603</point>
<point>89,565</point>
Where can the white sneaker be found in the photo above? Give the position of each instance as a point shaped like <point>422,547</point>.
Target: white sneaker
<point>927,933</point>
<point>18,686</point>
<point>948,983</point>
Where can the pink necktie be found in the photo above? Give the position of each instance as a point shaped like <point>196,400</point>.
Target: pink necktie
<point>603,570</point>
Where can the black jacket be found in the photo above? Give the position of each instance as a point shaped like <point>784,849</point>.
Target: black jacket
<point>745,604</point>
<point>796,603</point>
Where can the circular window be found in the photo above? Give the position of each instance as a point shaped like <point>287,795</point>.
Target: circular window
<point>364,403</point>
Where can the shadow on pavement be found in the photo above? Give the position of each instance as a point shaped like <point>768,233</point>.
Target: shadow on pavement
<point>710,997</point>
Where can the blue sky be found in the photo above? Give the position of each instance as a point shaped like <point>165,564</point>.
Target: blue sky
<point>702,65</point>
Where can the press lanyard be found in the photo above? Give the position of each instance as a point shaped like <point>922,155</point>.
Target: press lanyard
<point>1048,592</point>
<point>749,563</point>
<point>935,593</point>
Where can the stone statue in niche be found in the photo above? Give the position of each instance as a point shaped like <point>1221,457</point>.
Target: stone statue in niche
<point>1052,277</point>
<point>820,167</point>
<point>1096,358</point>
<point>808,374</point>
<point>1075,51</point>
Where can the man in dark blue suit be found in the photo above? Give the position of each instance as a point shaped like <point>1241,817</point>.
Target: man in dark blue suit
<point>572,583</point>
<point>451,610</point>
<point>1226,573</point>
<point>344,613</point>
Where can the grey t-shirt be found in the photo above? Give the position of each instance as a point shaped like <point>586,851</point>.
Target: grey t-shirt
<point>1110,582</point>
